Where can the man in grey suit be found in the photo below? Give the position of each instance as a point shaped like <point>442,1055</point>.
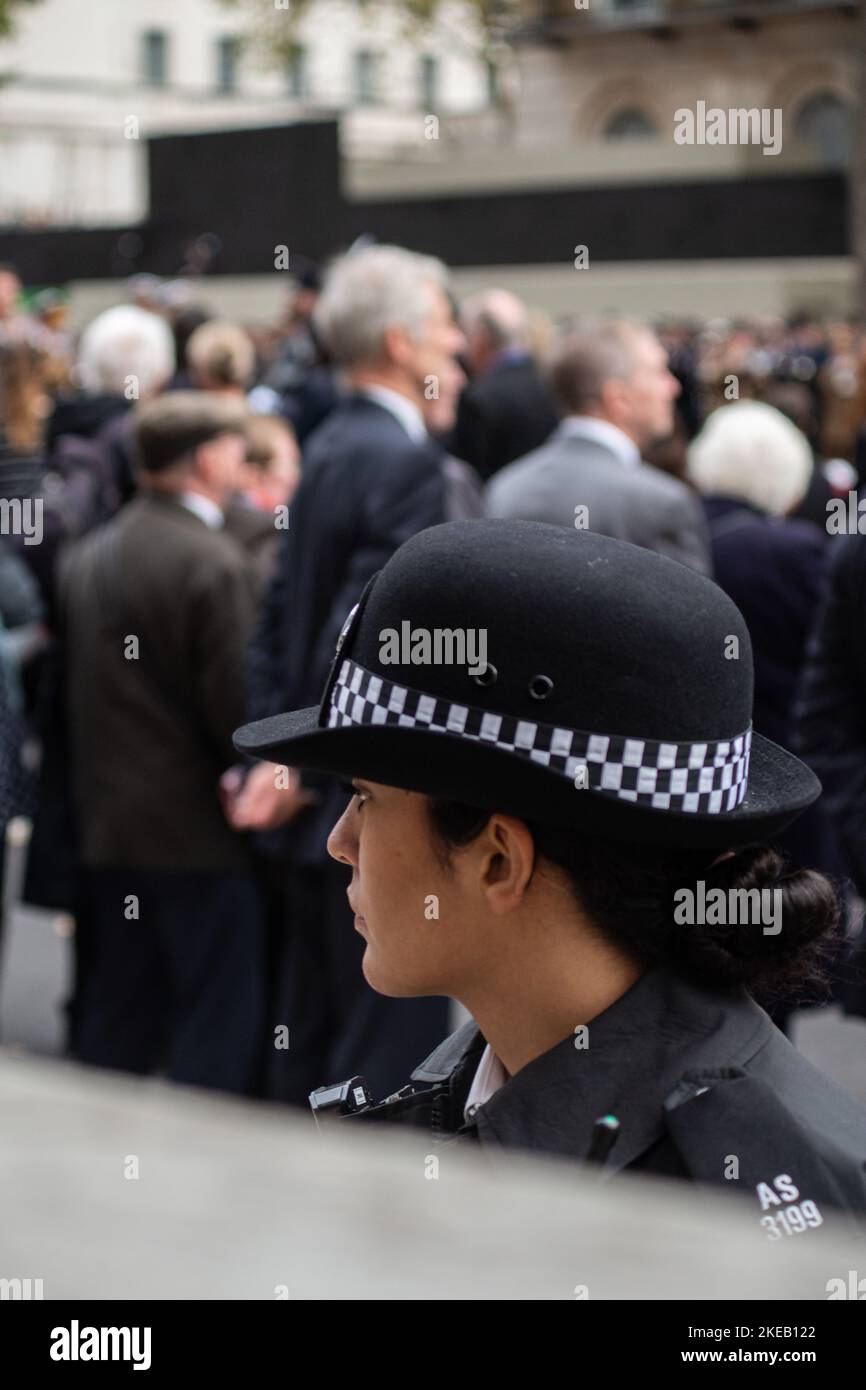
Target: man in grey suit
<point>616,395</point>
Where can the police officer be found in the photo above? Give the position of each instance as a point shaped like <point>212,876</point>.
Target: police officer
<point>570,836</point>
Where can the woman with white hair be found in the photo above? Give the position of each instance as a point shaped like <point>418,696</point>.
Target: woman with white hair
<point>752,467</point>
<point>125,355</point>
<point>752,454</point>
<point>127,352</point>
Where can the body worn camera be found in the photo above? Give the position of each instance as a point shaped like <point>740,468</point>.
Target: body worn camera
<point>343,1098</point>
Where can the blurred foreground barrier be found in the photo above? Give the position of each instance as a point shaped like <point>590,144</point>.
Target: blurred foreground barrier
<point>118,1188</point>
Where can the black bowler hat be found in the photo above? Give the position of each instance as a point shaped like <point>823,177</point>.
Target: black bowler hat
<point>616,697</point>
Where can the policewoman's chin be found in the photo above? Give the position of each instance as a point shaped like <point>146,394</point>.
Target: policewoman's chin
<point>379,979</point>
<point>371,974</point>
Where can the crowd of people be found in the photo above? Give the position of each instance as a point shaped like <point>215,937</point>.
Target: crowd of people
<point>191,509</point>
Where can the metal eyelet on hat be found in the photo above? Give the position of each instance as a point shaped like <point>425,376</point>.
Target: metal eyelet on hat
<point>540,687</point>
<point>487,676</point>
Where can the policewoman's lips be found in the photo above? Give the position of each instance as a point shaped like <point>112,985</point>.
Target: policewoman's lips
<point>360,924</point>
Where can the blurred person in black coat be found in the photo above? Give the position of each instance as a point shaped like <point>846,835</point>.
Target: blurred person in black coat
<point>506,409</point>
<point>464,492</point>
<point>22,635</point>
<point>753,467</point>
<point>371,478</point>
<point>301,373</point>
<point>831,727</point>
<point>831,708</point>
<point>125,357</point>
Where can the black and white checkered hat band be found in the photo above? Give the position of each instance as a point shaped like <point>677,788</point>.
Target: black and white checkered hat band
<point>704,778</point>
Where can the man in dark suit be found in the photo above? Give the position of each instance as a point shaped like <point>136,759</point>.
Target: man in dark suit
<point>616,393</point>
<point>157,607</point>
<point>371,478</point>
<point>830,731</point>
<point>507,408</point>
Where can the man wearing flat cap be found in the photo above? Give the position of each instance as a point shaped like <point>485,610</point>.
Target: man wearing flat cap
<point>157,606</point>
<point>571,838</point>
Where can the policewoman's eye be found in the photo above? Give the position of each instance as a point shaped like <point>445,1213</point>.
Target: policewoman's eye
<point>351,790</point>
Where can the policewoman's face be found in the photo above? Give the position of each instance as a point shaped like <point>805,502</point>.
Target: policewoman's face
<point>433,923</point>
<point>407,905</point>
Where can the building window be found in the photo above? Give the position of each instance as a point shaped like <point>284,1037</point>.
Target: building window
<point>296,71</point>
<point>428,78</point>
<point>366,77</point>
<point>629,124</point>
<point>228,54</point>
<point>154,57</point>
<point>824,124</point>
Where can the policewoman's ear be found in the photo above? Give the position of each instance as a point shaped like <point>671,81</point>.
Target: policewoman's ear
<point>506,852</point>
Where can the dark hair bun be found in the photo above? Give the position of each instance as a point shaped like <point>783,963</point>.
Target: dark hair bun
<point>774,927</point>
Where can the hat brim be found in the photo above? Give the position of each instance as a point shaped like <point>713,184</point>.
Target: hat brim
<point>442,764</point>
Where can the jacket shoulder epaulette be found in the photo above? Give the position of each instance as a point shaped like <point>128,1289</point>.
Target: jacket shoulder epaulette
<point>730,1127</point>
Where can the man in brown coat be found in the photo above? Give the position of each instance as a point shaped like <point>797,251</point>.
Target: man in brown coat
<point>157,608</point>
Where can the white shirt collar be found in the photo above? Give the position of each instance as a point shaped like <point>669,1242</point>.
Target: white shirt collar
<point>400,407</point>
<point>488,1078</point>
<point>602,432</point>
<point>204,508</point>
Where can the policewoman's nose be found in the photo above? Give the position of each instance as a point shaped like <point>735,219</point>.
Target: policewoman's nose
<point>342,841</point>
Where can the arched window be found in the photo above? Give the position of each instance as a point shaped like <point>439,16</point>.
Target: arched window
<point>629,124</point>
<point>825,124</point>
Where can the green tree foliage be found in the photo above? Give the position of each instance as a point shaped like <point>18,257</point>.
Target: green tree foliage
<point>273,23</point>
<point>8,10</point>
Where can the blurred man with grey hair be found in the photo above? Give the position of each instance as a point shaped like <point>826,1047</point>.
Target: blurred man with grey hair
<point>371,478</point>
<point>507,408</point>
<point>616,395</point>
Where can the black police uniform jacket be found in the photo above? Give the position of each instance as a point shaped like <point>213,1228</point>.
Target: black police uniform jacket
<point>704,1086</point>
